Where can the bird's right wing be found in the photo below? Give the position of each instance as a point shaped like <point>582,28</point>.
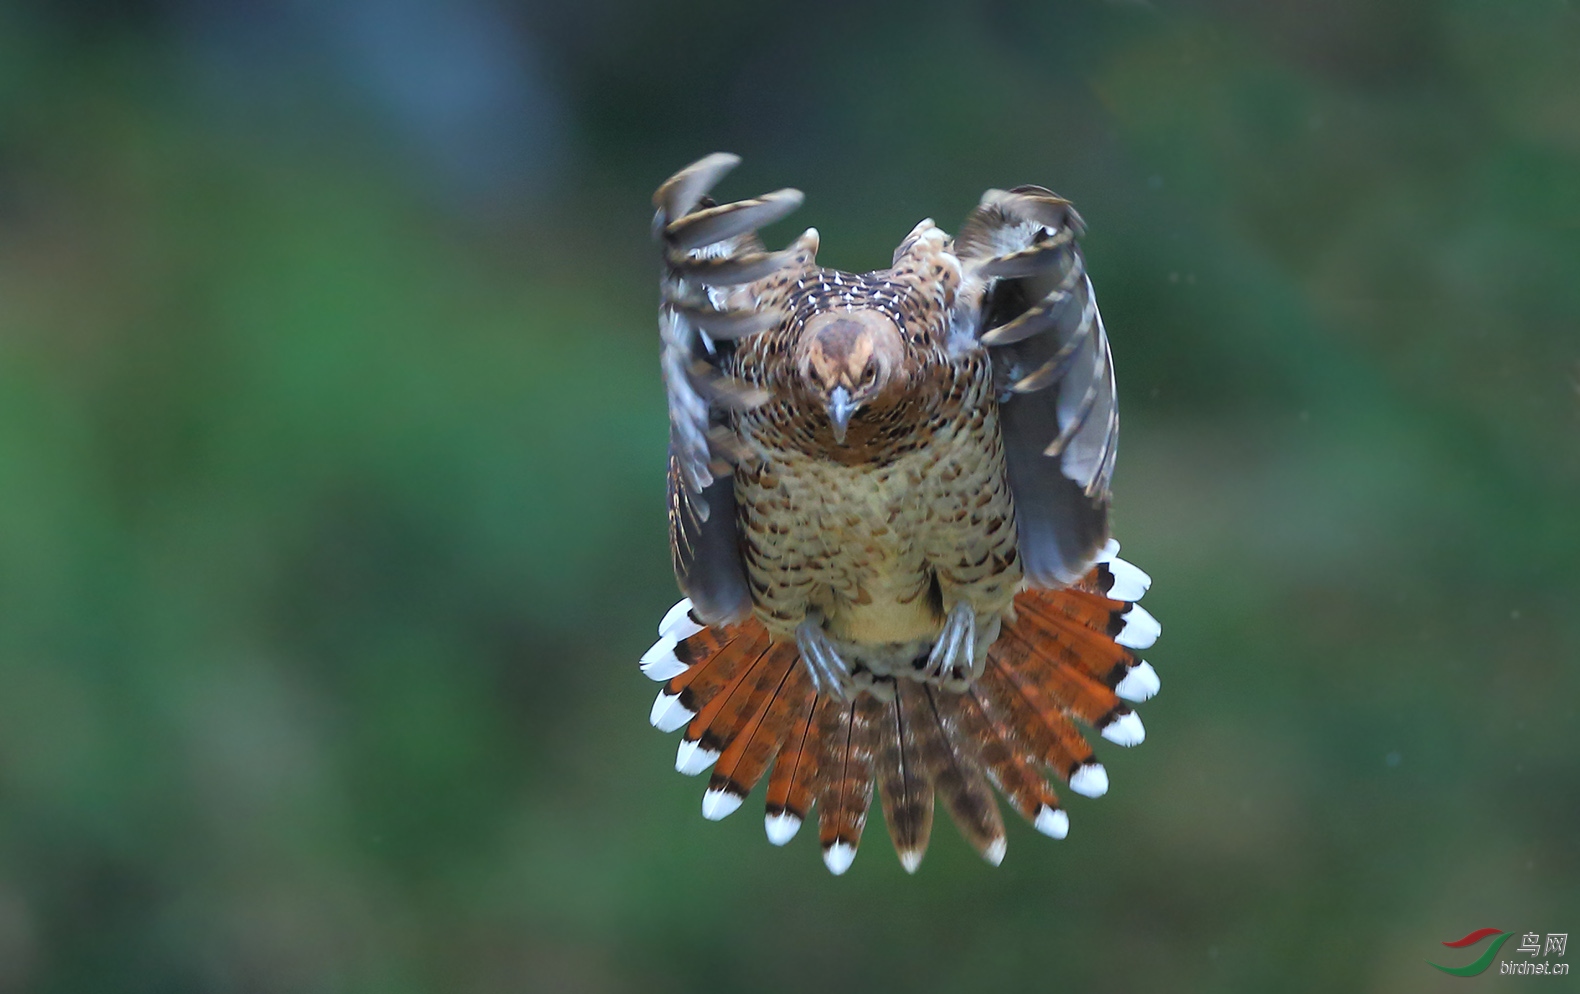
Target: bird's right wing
<point>712,259</point>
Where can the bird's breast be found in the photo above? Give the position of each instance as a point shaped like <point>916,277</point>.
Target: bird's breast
<point>866,545</point>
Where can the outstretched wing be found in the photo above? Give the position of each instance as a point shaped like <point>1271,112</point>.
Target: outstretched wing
<point>1025,296</point>
<point>711,257</point>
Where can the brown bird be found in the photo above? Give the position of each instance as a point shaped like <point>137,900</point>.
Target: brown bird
<point>888,512</point>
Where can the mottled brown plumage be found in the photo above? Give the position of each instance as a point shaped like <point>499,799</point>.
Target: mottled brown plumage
<point>889,514</point>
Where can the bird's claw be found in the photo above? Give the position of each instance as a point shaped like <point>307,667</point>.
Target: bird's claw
<point>828,669</point>
<point>953,663</point>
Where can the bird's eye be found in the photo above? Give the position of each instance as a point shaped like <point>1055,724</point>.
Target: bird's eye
<point>869,376</point>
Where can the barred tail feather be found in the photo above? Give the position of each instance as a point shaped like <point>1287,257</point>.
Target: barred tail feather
<point>791,784</point>
<point>907,794</point>
<point>745,759</point>
<point>728,708</point>
<point>848,738</point>
<point>949,758</point>
<point>1026,718</point>
<point>1017,779</point>
<point>1093,643</point>
<point>713,660</point>
<point>1064,658</point>
<point>1078,694</point>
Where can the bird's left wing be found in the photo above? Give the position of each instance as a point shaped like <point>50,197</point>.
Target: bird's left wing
<point>1025,296</point>
<point>713,261</point>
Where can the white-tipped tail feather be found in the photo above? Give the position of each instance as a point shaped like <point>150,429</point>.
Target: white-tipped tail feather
<point>692,758</point>
<point>1140,683</point>
<point>677,624</point>
<point>838,857</point>
<point>1090,780</point>
<point>1129,582</point>
<point>994,853</point>
<point>1052,822</point>
<point>1141,629</point>
<point>668,713</point>
<point>910,859</point>
<point>781,827</point>
<point>660,663</point>
<point>717,804</point>
<point>1125,730</point>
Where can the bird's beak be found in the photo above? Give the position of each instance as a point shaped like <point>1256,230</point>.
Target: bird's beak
<point>840,408</point>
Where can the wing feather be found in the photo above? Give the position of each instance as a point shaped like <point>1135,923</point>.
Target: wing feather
<point>1027,298</point>
<point>711,254</point>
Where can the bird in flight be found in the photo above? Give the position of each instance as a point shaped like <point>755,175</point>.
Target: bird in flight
<point>888,513</point>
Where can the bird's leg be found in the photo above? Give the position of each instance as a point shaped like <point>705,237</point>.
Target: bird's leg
<point>829,671</point>
<point>952,663</point>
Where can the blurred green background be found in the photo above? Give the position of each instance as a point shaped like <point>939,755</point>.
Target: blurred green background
<point>331,497</point>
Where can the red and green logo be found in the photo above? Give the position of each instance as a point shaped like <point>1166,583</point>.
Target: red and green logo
<point>1484,960</point>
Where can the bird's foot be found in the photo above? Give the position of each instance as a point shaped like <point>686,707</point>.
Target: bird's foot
<point>954,661</point>
<point>830,673</point>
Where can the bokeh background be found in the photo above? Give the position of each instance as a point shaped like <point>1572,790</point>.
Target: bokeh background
<point>331,497</point>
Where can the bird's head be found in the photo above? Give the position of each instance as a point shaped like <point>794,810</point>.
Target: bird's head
<point>847,358</point>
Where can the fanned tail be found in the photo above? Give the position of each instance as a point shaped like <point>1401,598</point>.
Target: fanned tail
<point>1064,658</point>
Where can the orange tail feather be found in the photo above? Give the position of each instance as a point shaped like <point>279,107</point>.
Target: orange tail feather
<point>708,733</point>
<point>1080,695</point>
<point>1018,780</point>
<point>748,754</point>
<point>1028,720</point>
<point>795,773</point>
